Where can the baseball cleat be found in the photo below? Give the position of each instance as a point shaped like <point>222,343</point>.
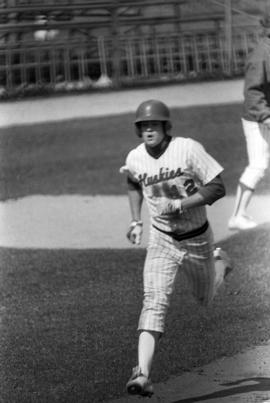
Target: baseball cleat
<point>241,222</point>
<point>139,384</point>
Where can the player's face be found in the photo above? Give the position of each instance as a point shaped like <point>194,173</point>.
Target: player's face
<point>152,132</point>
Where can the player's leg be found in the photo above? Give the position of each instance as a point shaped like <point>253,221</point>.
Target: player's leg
<point>198,266</point>
<point>147,345</point>
<point>140,382</point>
<point>205,267</point>
<point>257,140</point>
<point>159,275</point>
<point>223,266</point>
<point>242,199</point>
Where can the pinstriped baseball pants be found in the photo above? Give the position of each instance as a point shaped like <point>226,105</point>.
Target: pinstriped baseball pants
<point>164,258</point>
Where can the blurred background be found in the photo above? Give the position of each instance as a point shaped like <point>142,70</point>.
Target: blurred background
<point>51,46</point>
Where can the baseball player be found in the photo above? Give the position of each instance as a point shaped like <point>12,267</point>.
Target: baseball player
<point>256,128</point>
<point>177,178</point>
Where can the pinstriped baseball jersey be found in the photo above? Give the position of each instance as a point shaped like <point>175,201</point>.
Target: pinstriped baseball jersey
<point>179,172</point>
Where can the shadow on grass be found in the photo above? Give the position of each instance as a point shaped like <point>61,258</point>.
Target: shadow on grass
<point>69,318</point>
<point>261,385</point>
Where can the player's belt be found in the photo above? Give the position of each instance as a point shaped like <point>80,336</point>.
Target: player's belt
<point>186,235</point>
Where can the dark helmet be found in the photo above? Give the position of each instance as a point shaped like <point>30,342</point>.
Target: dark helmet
<point>152,110</point>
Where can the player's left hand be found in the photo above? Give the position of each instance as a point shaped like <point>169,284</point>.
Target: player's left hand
<point>135,231</point>
<point>168,206</point>
<point>124,170</point>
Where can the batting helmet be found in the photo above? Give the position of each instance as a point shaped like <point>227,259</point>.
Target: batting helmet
<point>152,110</point>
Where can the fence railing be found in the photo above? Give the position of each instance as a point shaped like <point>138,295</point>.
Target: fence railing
<point>131,60</point>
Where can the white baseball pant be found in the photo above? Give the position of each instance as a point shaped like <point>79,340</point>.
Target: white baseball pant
<point>164,257</point>
<point>258,144</point>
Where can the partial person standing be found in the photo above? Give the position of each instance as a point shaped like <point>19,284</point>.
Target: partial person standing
<point>256,128</point>
<point>177,178</point>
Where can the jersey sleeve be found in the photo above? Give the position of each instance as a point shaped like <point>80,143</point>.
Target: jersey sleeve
<point>213,190</point>
<point>131,166</point>
<point>203,165</point>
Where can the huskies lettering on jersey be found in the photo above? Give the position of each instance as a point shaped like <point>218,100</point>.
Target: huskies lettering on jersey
<point>163,175</point>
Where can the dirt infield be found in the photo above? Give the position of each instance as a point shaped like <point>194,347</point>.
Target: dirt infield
<point>89,105</point>
<point>71,221</point>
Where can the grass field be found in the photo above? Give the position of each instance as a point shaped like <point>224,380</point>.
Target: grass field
<point>68,328</point>
<point>83,156</point>
<point>69,317</point>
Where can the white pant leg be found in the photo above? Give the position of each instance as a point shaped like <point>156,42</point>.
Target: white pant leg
<point>161,265</point>
<point>199,266</point>
<point>257,137</point>
<point>164,257</point>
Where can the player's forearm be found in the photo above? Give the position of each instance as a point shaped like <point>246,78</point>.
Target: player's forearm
<point>207,194</point>
<point>213,190</point>
<point>135,202</point>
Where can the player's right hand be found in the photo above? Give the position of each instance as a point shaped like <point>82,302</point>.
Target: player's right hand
<point>168,206</point>
<point>135,231</point>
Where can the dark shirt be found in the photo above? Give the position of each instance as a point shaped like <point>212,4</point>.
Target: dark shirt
<point>257,83</point>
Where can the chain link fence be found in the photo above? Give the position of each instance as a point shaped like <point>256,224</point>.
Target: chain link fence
<point>48,46</point>
<point>97,62</point>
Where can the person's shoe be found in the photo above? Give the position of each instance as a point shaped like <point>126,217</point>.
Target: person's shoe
<point>139,384</point>
<point>241,222</point>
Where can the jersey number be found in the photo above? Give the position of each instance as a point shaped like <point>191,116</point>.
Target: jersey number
<point>172,192</point>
